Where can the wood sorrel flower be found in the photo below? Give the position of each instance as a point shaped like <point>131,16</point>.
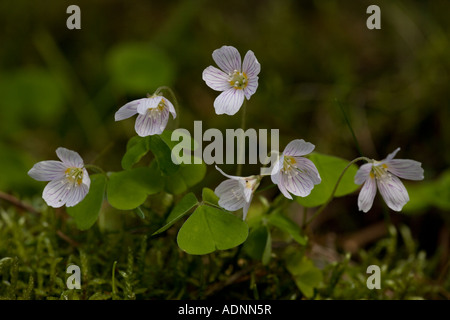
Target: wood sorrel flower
<point>294,173</point>
<point>236,192</point>
<point>385,175</point>
<point>69,180</point>
<point>235,80</point>
<point>153,114</point>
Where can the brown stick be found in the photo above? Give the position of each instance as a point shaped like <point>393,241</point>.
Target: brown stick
<point>16,202</point>
<point>66,238</point>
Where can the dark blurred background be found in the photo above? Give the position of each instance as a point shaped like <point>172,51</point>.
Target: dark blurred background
<point>61,87</point>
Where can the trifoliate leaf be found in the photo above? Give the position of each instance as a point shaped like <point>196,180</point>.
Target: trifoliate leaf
<point>209,229</point>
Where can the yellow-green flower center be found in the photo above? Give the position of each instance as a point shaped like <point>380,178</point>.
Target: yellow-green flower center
<point>153,112</point>
<point>238,80</point>
<point>74,175</point>
<point>379,171</point>
<point>288,163</point>
<point>252,182</point>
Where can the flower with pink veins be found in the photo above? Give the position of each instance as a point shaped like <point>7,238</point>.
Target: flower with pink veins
<point>69,179</point>
<point>153,114</point>
<point>293,173</point>
<point>236,192</point>
<point>236,81</point>
<point>385,175</point>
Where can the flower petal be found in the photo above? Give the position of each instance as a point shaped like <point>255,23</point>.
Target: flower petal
<point>148,103</point>
<point>171,108</point>
<point>227,175</point>
<point>227,58</point>
<point>309,168</point>
<point>297,183</point>
<point>251,87</point>
<point>57,192</point>
<point>393,191</point>
<point>47,170</point>
<point>363,173</point>
<point>298,147</point>
<point>229,101</point>
<point>367,194</point>
<point>275,177</point>
<point>69,157</point>
<point>246,207</point>
<point>283,189</point>
<point>128,110</point>
<point>77,194</point>
<point>405,168</point>
<point>248,192</point>
<point>251,67</point>
<point>276,174</point>
<point>153,122</point>
<point>392,154</point>
<point>216,79</point>
<point>86,180</point>
<point>231,195</point>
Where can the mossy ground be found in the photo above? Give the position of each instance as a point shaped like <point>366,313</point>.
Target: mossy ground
<point>127,263</point>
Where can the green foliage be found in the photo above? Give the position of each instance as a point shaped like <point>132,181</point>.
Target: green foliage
<point>138,147</point>
<point>306,276</point>
<point>405,272</point>
<point>210,197</point>
<point>130,188</point>
<point>280,221</point>
<point>435,193</point>
<point>259,244</point>
<point>188,143</point>
<point>329,168</point>
<point>134,266</point>
<point>55,92</point>
<point>187,176</point>
<point>86,212</point>
<point>209,229</point>
<point>183,207</point>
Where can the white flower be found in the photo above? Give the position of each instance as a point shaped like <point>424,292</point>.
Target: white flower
<point>385,175</point>
<point>294,173</point>
<point>236,192</point>
<point>69,180</point>
<point>235,80</point>
<point>153,114</point>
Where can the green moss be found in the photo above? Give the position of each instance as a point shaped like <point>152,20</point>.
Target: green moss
<point>36,250</point>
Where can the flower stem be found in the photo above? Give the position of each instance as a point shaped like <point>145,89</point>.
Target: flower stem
<point>334,190</point>
<point>241,150</point>
<point>95,168</point>
<point>207,203</point>
<point>347,121</point>
<point>266,188</point>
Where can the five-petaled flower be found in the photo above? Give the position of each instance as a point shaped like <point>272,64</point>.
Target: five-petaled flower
<point>385,175</point>
<point>293,173</point>
<point>153,114</point>
<point>235,80</point>
<point>69,179</point>
<point>236,192</point>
